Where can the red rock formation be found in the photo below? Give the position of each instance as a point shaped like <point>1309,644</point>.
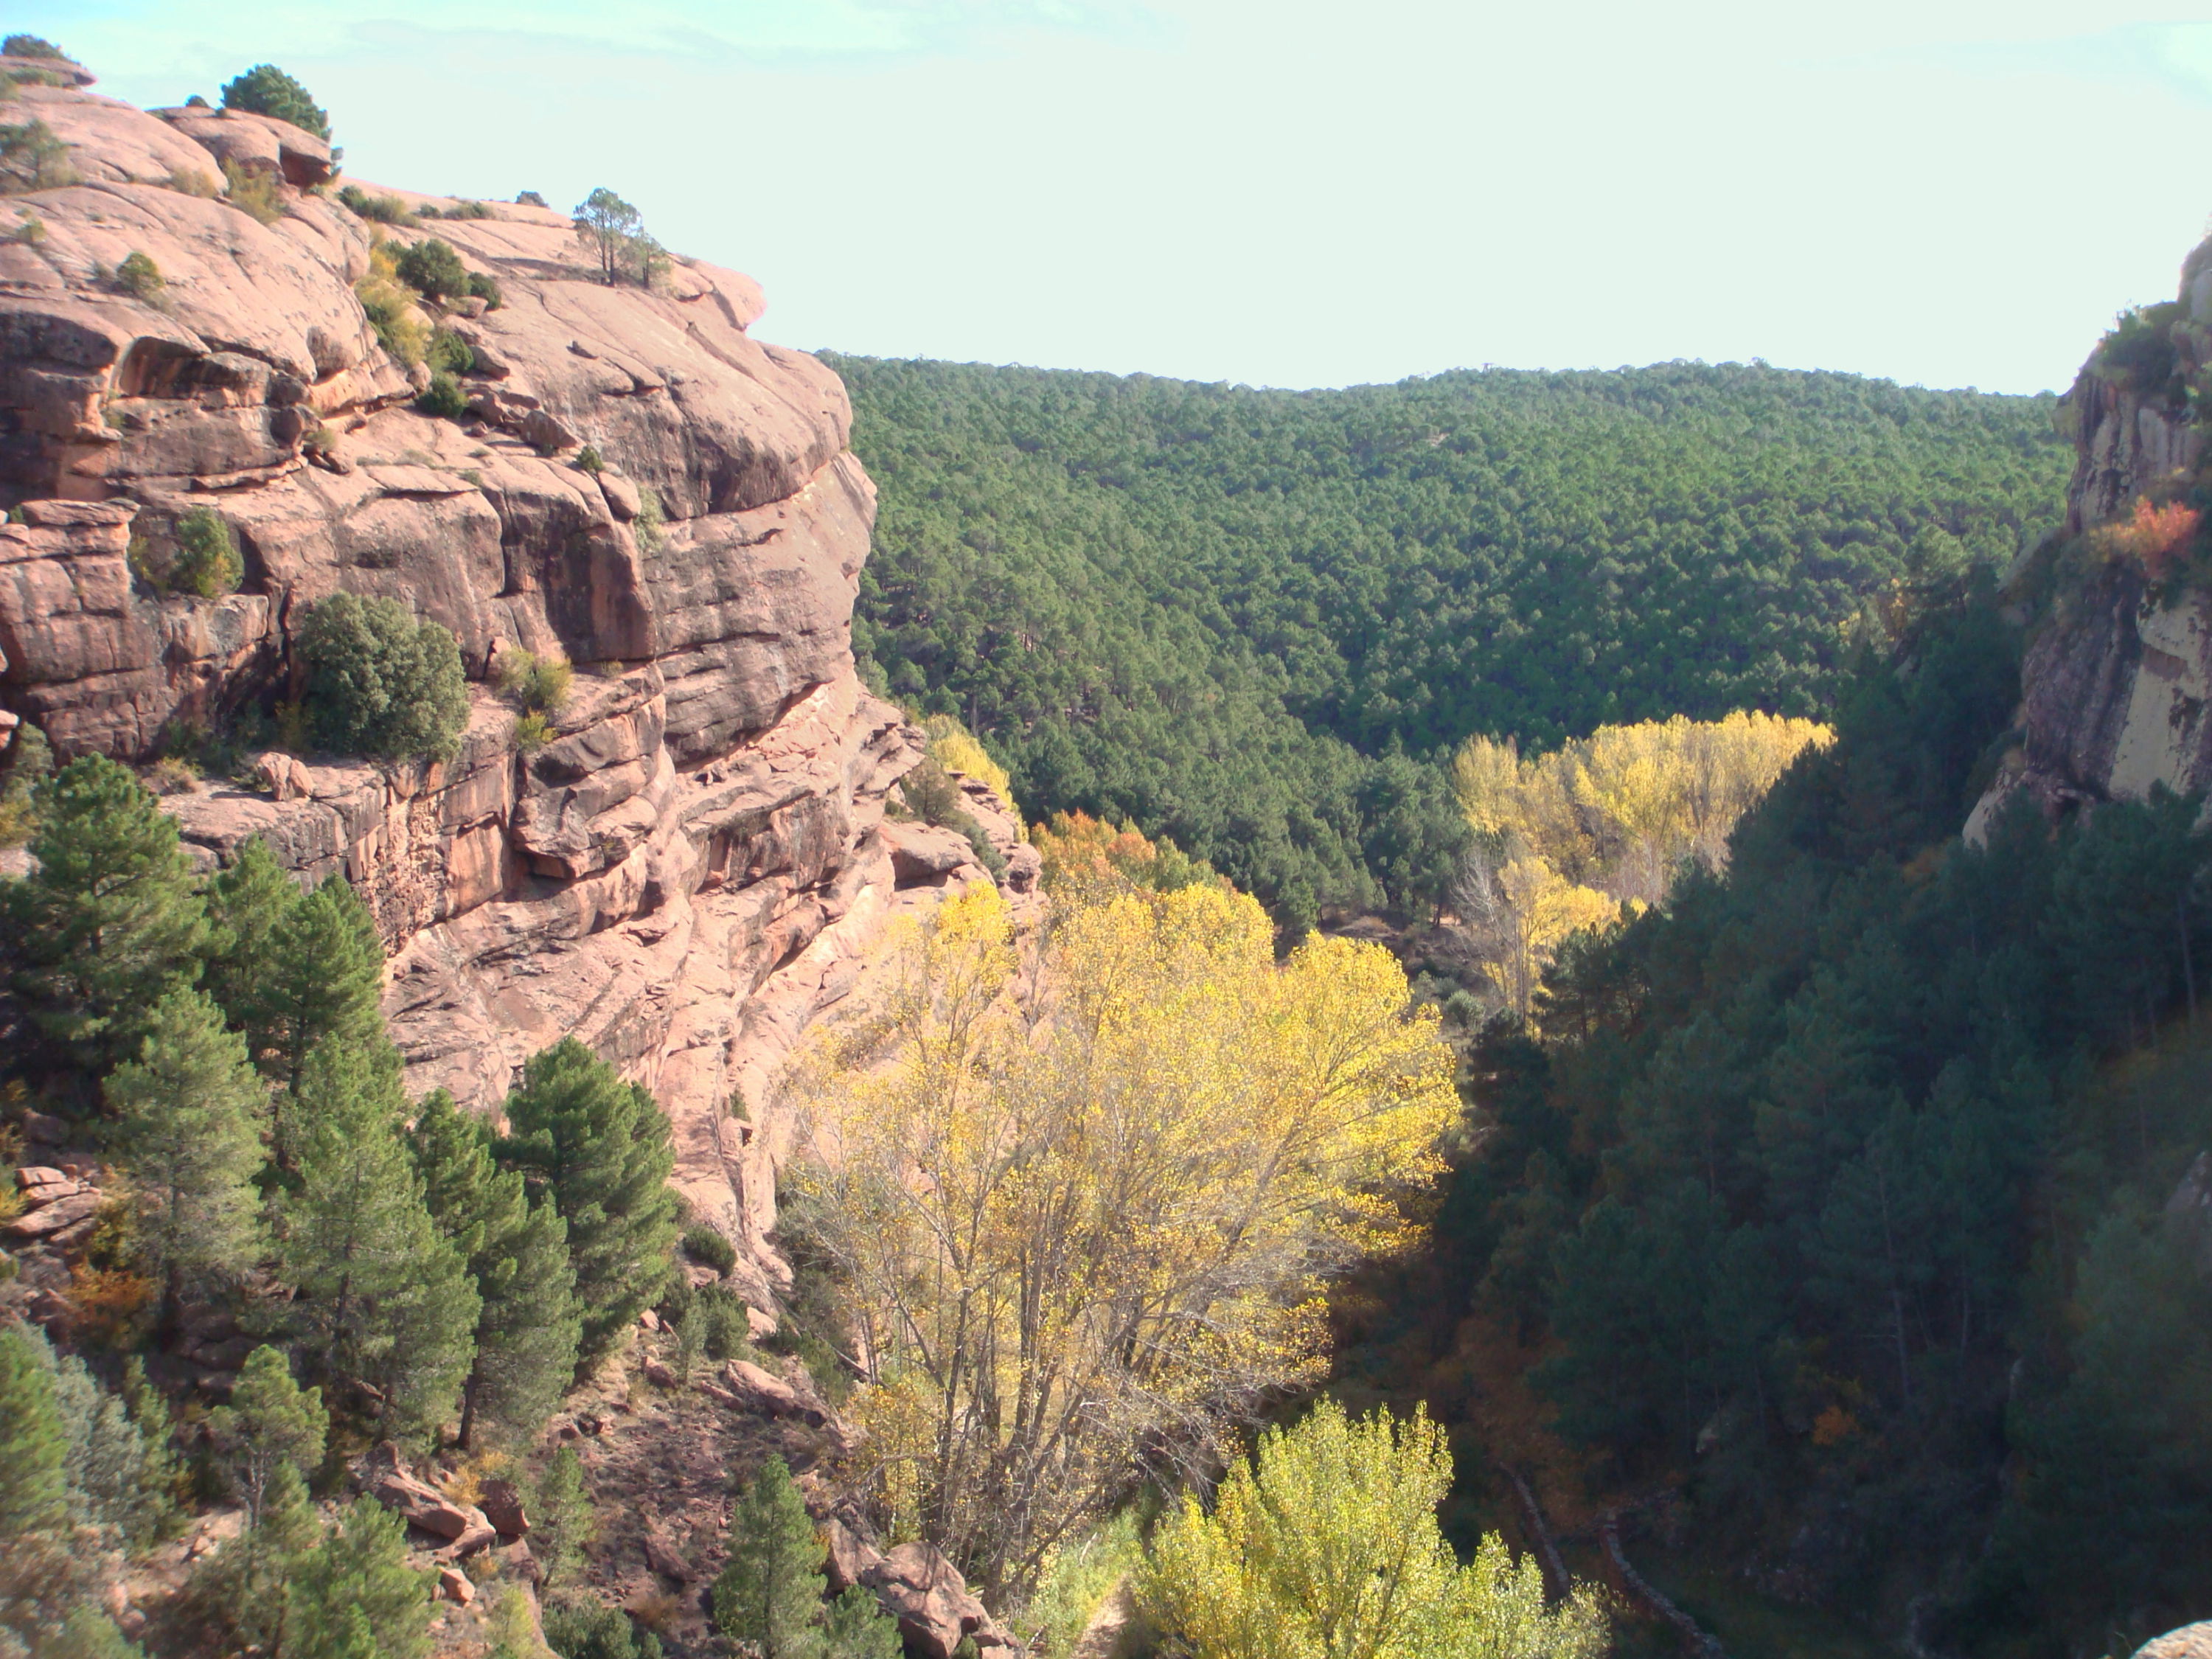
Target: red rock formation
<point>694,866</point>
<point>2117,674</point>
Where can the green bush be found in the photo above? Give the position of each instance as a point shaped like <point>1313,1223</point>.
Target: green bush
<point>265,89</point>
<point>252,193</point>
<point>707,1247</point>
<point>2138,351</point>
<point>30,763</point>
<point>207,562</point>
<point>379,683</point>
<point>529,198</point>
<point>581,1627</point>
<point>383,209</point>
<point>30,45</point>
<point>32,157</point>
<point>139,277</point>
<point>482,286</point>
<point>532,732</point>
<point>587,460</point>
<point>647,528</point>
<point>469,211</point>
<point>449,352</point>
<point>443,398</point>
<point>540,684</point>
<point>433,269</point>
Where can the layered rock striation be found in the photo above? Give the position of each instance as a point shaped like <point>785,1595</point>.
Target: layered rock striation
<point>693,866</point>
<point>2118,672</point>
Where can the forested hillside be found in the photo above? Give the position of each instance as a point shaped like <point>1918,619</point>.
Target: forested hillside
<point>1830,1195</point>
<point>1224,612</point>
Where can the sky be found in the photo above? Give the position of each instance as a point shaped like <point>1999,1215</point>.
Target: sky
<point>1947,193</point>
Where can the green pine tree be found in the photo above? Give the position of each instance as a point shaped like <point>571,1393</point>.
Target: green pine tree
<point>88,1633</point>
<point>34,1444</point>
<point>383,1299</point>
<point>110,918</point>
<point>241,1589</point>
<point>517,1254</point>
<point>248,905</point>
<point>192,1108</point>
<point>857,1627</point>
<point>115,1477</point>
<point>601,1148</point>
<point>356,1597</point>
<point>771,1590</point>
<point>271,1423</point>
<point>42,1574</point>
<point>323,981</point>
<point>565,1522</point>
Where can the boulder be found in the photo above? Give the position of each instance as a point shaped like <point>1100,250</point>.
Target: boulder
<point>53,1218</point>
<point>664,1558</point>
<point>850,1557</point>
<point>454,1585</point>
<point>931,1600</point>
<point>503,1507</point>
<point>2190,1642</point>
<point>384,1477</point>
<point>922,852</point>
<point>255,143</point>
<point>770,1395</point>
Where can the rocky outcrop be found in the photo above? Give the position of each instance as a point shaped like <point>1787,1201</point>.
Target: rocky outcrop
<point>2118,672</point>
<point>695,863</point>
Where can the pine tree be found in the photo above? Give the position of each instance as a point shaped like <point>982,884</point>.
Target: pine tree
<point>41,1574</point>
<point>384,1300</point>
<point>244,1590</point>
<point>110,918</point>
<point>248,904</point>
<point>89,1634</point>
<point>191,1108</point>
<point>34,1444</point>
<point>324,980</point>
<point>517,1254</point>
<point>565,1521</point>
<point>857,1627</point>
<point>270,1424</point>
<point>356,1597</point>
<point>771,1590</point>
<point>601,1148</point>
<point>113,1476</point>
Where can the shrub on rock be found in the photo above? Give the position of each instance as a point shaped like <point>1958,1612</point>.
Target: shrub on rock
<point>381,684</point>
<point>433,269</point>
<point>265,89</point>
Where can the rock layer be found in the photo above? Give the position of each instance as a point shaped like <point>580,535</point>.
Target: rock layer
<point>693,866</point>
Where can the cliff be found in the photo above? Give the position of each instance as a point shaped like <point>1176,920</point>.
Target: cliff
<point>2119,666</point>
<point>692,867</point>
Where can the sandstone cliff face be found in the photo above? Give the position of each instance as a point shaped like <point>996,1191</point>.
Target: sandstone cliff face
<point>2119,672</point>
<point>693,867</point>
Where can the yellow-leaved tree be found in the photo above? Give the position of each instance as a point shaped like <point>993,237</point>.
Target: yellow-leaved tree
<point>1565,839</point>
<point>1325,1543</point>
<point>1084,1197</point>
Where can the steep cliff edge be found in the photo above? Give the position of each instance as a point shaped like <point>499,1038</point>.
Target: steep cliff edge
<point>2118,667</point>
<point>690,868</point>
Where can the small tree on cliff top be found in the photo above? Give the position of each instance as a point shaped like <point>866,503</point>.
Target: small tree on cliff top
<point>606,225</point>
<point>265,89</point>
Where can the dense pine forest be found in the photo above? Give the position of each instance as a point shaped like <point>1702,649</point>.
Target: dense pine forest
<point>1244,619</point>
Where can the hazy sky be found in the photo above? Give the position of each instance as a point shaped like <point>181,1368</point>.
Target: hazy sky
<point>1946,191</point>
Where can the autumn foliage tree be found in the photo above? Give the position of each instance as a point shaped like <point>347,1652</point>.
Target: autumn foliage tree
<point>1563,839</point>
<point>1084,1196</point>
<point>1325,1542</point>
